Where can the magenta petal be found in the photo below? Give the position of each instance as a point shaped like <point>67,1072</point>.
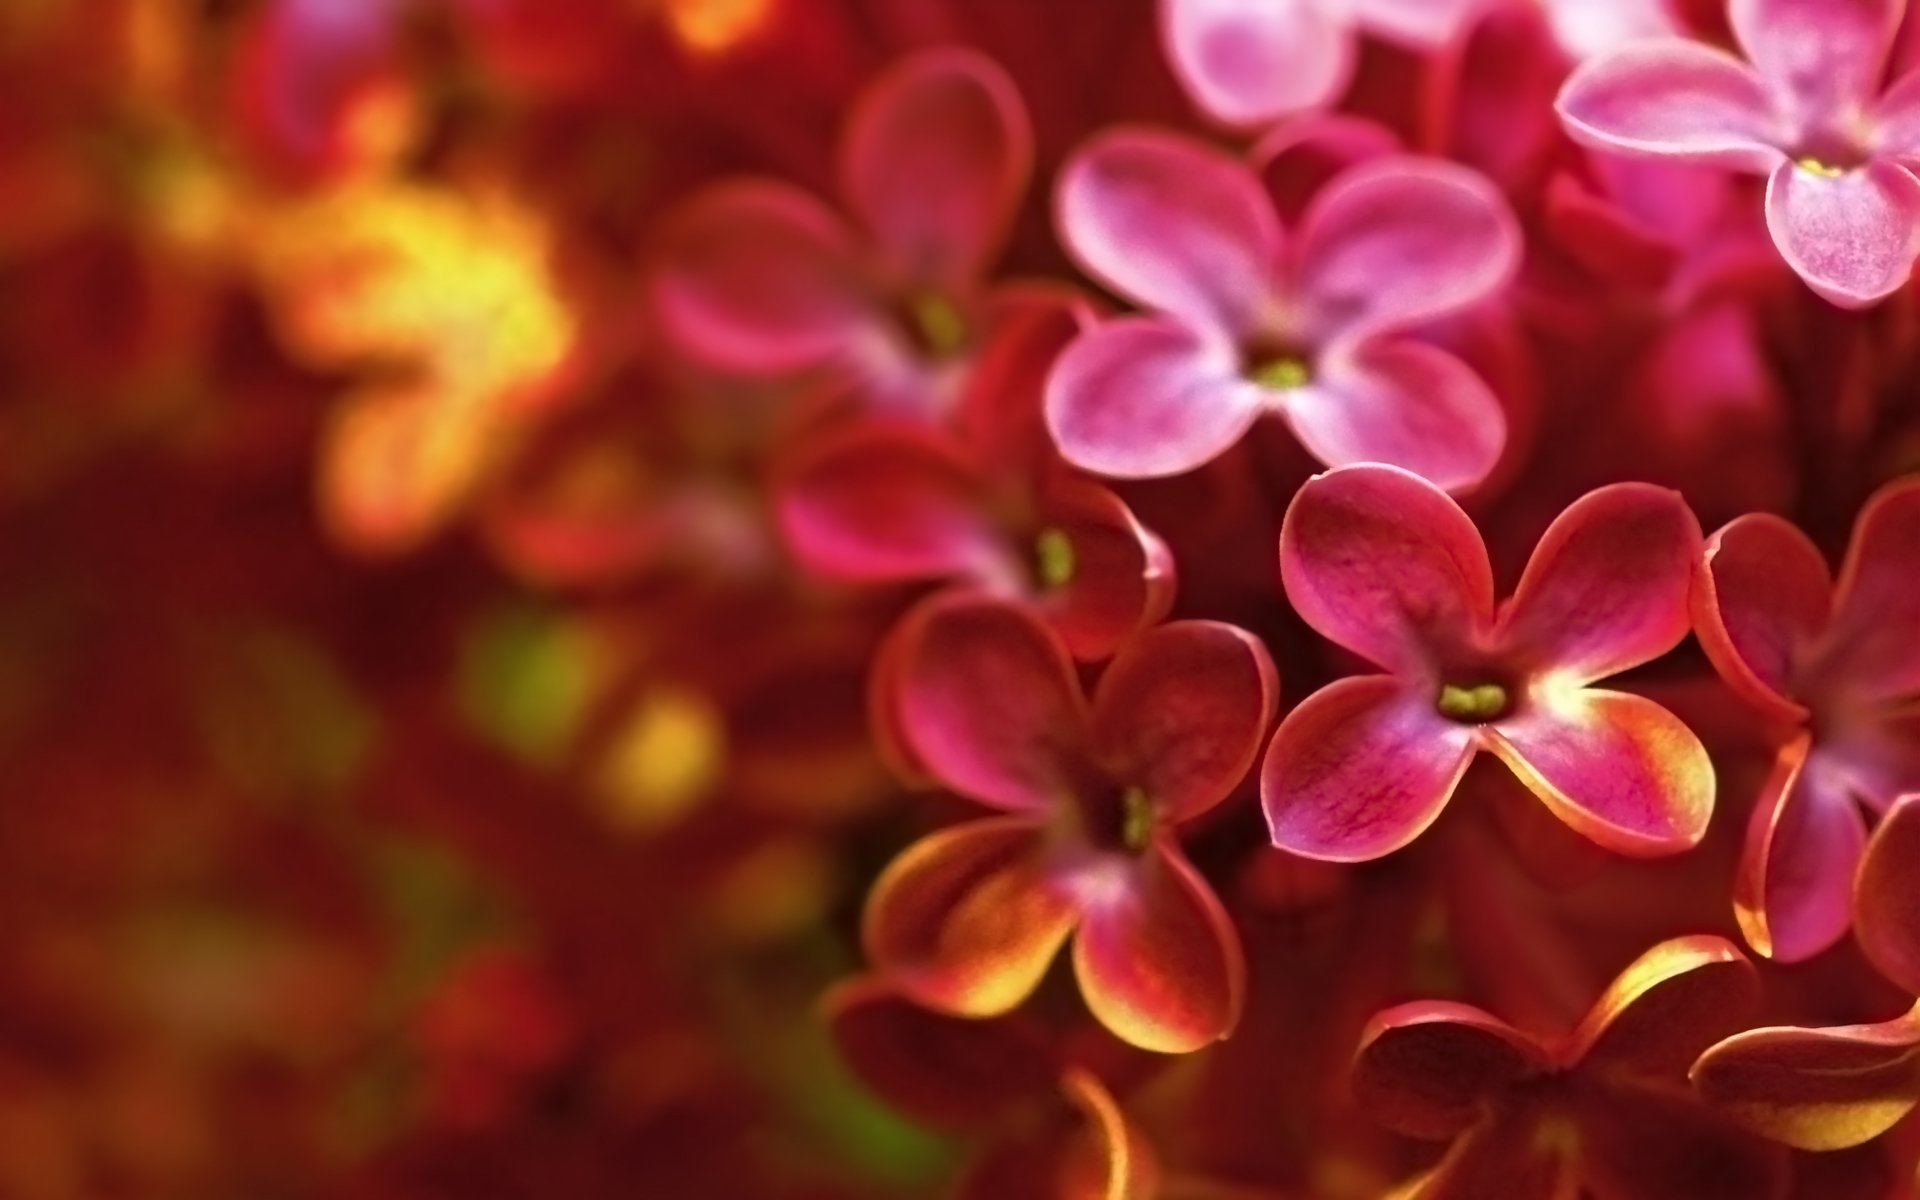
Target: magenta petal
<point>1360,769</point>
<point>1895,121</point>
<point>1887,895</point>
<point>1382,562</point>
<point>1248,62</point>
<point>1182,711</point>
<point>1876,622</point>
<point>1397,241</point>
<point>1123,575</point>
<point>988,702</point>
<point>1607,586</point>
<point>936,158</point>
<point>1823,58</point>
<point>1762,599</point>
<point>886,503</point>
<point>1425,24</point>
<point>761,278</point>
<point>1793,893</point>
<point>1158,960</point>
<point>1406,404</point>
<point>1142,397</point>
<point>1619,769</point>
<point>1170,223</point>
<point>1853,237</point>
<point>1673,98</point>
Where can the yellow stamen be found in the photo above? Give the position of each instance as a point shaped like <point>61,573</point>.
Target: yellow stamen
<point>1283,374</point>
<point>1481,703</point>
<point>1053,552</point>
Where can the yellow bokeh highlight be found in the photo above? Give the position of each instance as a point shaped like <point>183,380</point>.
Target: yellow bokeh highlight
<point>713,27</point>
<point>666,757</point>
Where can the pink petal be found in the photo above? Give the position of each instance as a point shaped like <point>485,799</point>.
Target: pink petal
<point>1666,1007</point>
<point>1143,397</point>
<point>760,278</point>
<point>1432,1068</point>
<point>1607,586</point>
<point>886,503</point>
<point>989,703</point>
<point>1424,24</point>
<point>1792,895</point>
<point>1620,770</point>
<point>999,413</point>
<point>1404,403</point>
<point>1816,1089</point>
<point>1876,624</point>
<point>1182,711</point>
<point>1397,241</point>
<point>966,920</point>
<point>1359,769</point>
<point>1895,121</point>
<point>1384,563</point>
<point>1673,98</point>
<point>1887,896</point>
<point>1248,62</point>
<point>1822,59</point>
<point>1171,223</point>
<point>1123,575</point>
<point>1157,958</point>
<point>1760,600</point>
<point>1852,238</point>
<point>936,157</point>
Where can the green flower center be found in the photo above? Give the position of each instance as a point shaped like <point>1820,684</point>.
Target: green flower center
<point>1136,820</point>
<point>1054,559</point>
<point>1479,702</point>
<point>1284,374</point>
<point>937,323</point>
<point>1816,166</point>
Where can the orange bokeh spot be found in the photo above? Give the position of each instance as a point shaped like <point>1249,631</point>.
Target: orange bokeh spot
<point>713,27</point>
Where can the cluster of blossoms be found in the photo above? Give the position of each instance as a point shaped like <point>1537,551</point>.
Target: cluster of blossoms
<point>696,598</point>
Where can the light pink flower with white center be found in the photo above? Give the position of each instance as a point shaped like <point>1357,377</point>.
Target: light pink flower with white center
<point>1806,108</point>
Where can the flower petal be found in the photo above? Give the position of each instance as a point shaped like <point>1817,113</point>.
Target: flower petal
<point>948,1071</point>
<point>1397,241</point>
<point>1852,238</point>
<point>1607,586</point>
<point>1123,576</point>
<point>1248,62</point>
<point>1157,958</point>
<point>1803,844</point>
<point>1886,894</point>
<point>1182,711</point>
<point>936,157</point>
<point>989,703</point>
<point>1170,223</point>
<point>1822,59</point>
<point>1432,1068</point>
<point>1816,1089</point>
<point>1895,121</point>
<point>1620,770</point>
<point>1650,1142</point>
<point>760,278</point>
<point>1506,1157</point>
<point>967,920</point>
<point>1404,403</point>
<point>882,502</point>
<point>1672,98</point>
<point>1760,600</point>
<point>1359,769</point>
<point>1143,397</point>
<point>1382,562</point>
<point>1111,1160</point>
<point>1665,1008</point>
<point>1876,624</point>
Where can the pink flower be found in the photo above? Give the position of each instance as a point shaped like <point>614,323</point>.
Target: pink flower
<point>1601,1111</point>
<point>1247,321</point>
<point>1839,667</point>
<point>1830,1088</point>
<point>759,277</point>
<point>1386,565</point>
<point>1249,62</point>
<point>1805,109</point>
<point>967,920</point>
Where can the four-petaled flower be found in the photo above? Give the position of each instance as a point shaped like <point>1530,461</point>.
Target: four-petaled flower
<point>1805,109</point>
<point>1839,667</point>
<point>761,278</point>
<point>1388,566</point>
<point>967,920</point>
<point>1830,1088</point>
<point>1248,62</point>
<point>1246,320</point>
<point>1603,1111</point>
